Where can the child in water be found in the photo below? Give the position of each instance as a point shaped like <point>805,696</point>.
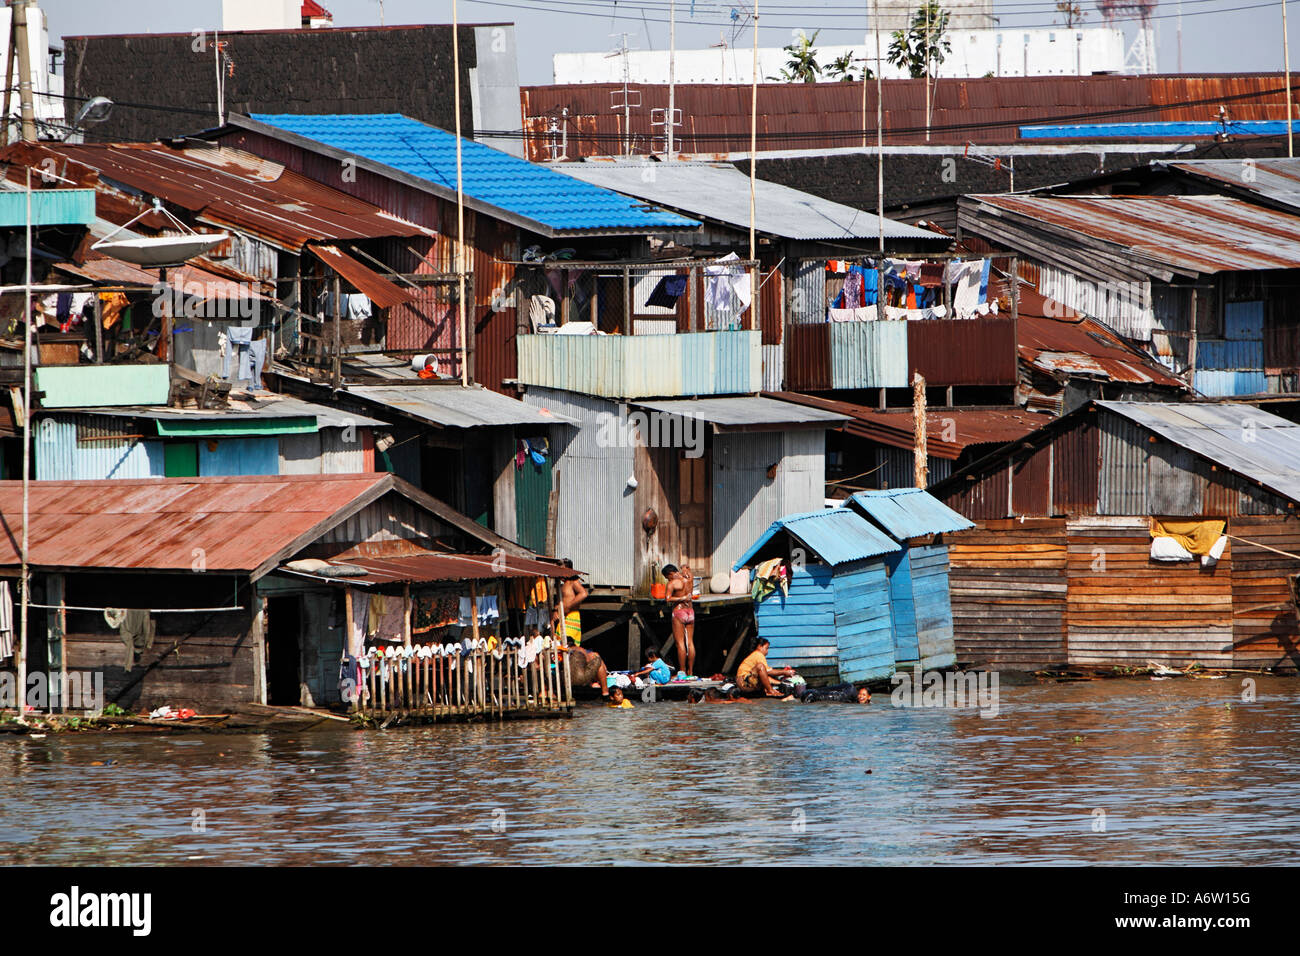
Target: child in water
<point>617,700</point>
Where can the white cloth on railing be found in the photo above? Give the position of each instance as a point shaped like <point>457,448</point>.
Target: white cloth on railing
<point>6,622</point>
<point>726,283</point>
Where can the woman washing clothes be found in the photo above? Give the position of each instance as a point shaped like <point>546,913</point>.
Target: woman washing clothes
<point>678,594</point>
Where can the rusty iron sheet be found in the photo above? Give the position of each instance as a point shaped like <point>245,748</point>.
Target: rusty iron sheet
<point>449,567</point>
<point>223,187</point>
<point>1189,234</point>
<point>976,351</point>
<point>380,290</point>
<point>238,523</point>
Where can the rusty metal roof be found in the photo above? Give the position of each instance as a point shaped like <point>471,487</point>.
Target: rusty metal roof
<point>1053,337</point>
<point>715,117</point>
<point>380,290</point>
<point>448,567</point>
<point>166,524</point>
<point>948,431</point>
<point>189,280</point>
<point>1192,235</point>
<point>221,186</point>
<point>1277,180</point>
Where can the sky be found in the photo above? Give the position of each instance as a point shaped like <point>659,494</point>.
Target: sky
<point>1218,36</point>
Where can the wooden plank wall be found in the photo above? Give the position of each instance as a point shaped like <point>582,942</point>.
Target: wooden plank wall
<point>801,625</point>
<point>1124,608</point>
<point>862,622</point>
<point>1008,587</point>
<point>933,603</point>
<point>1265,632</point>
<point>212,669</point>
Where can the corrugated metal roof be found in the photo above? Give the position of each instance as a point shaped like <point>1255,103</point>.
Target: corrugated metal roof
<point>189,281</point>
<point>554,203</point>
<point>222,186</point>
<point>447,567</point>
<point>1246,440</point>
<point>909,512</point>
<point>1189,234</point>
<point>747,411</point>
<point>239,523</point>
<point>457,407</point>
<point>1275,179</point>
<point>720,192</point>
<point>948,430</point>
<point>383,292</point>
<point>267,407</point>
<point>837,535</point>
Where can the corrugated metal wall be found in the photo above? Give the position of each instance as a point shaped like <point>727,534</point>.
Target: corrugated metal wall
<point>596,518</point>
<point>903,607</point>
<point>239,456</point>
<point>643,366</point>
<point>1234,365</point>
<point>1124,306</point>
<point>808,357</point>
<point>325,453</point>
<point>808,295</point>
<point>773,368</point>
<point>85,447</point>
<point>978,351</point>
<point>869,354</point>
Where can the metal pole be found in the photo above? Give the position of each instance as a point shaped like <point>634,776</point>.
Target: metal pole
<point>880,172</point>
<point>928,7</point>
<point>460,205</point>
<point>23,578</point>
<point>25,70</point>
<point>753,166</point>
<point>864,84</point>
<point>9,76</point>
<point>1286,65</point>
<point>672,74</point>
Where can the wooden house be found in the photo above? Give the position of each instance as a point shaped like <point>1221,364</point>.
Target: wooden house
<point>214,562</point>
<point>833,622</point>
<point>1059,568</point>
<point>918,571</point>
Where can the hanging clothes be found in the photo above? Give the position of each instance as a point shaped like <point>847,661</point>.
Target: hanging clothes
<point>137,633</point>
<point>667,291</point>
<point>725,284</point>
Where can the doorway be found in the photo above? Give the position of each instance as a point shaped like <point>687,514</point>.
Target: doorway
<point>284,651</point>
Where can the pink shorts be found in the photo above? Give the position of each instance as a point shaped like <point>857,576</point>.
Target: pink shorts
<point>684,613</point>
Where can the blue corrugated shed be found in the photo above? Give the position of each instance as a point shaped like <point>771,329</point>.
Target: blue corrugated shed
<point>522,189</point>
<point>838,611</point>
<point>836,535</point>
<point>909,512</point>
<point>918,585</point>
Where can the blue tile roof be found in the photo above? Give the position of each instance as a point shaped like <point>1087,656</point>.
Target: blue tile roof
<point>908,512</point>
<point>528,190</point>
<point>836,535</point>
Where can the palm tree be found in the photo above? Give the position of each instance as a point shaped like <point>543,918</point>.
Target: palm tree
<point>802,65</point>
<point>841,68</point>
<point>923,46</point>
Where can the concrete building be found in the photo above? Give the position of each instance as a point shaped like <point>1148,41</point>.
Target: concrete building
<point>1047,51</point>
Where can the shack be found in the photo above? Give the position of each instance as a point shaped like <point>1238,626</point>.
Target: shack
<point>1063,565</point>
<point>918,571</point>
<point>192,592</point>
<point>828,611</point>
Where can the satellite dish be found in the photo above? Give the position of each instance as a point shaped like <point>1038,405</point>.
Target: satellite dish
<point>159,251</point>
<point>155,251</point>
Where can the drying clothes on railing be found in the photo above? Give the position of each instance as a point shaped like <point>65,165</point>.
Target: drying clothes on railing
<point>966,297</point>
<point>860,288</point>
<point>136,629</point>
<point>541,311</point>
<point>667,291</point>
<point>769,576</point>
<point>726,285</point>
<point>863,313</point>
<point>386,620</point>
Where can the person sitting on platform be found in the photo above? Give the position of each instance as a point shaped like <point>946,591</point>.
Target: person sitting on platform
<point>754,675</point>
<point>656,671</point>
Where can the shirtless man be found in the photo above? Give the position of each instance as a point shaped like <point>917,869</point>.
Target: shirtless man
<point>572,593</point>
<point>681,586</point>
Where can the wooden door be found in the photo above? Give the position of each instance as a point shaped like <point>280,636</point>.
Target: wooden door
<point>694,511</point>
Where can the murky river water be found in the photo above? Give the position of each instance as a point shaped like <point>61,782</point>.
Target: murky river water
<point>1184,772</point>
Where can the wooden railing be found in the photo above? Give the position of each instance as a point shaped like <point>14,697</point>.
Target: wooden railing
<point>499,682</point>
